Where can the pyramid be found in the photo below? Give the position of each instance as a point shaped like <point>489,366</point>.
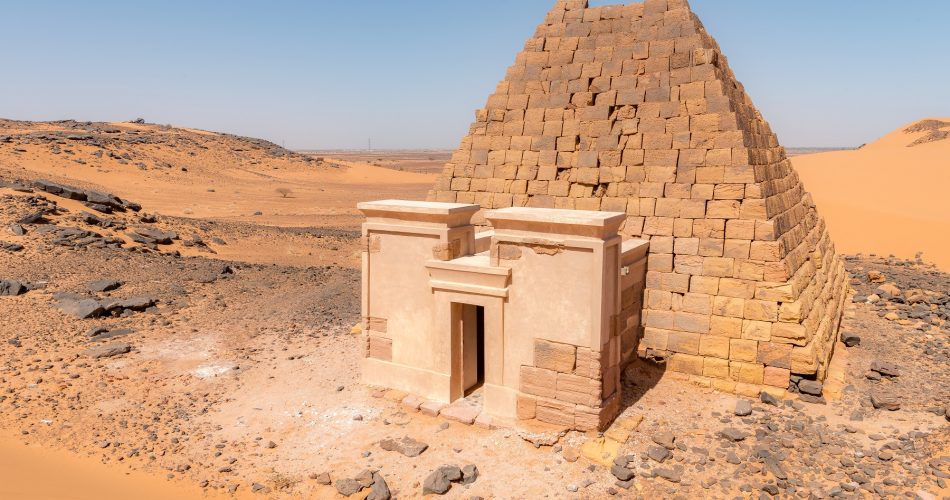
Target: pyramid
<point>633,109</point>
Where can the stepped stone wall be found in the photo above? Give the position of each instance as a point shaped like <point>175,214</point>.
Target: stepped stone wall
<point>633,108</point>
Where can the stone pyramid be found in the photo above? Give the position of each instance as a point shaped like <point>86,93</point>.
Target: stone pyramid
<point>633,108</point>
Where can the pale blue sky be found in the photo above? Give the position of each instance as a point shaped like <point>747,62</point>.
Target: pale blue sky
<point>330,74</point>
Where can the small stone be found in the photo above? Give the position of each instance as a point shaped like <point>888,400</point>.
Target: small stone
<point>469,474</point>
<point>406,446</point>
<point>107,350</point>
<point>665,439</point>
<point>103,285</point>
<point>322,478</point>
<point>885,368</point>
<point>658,453</point>
<point>771,489</point>
<point>733,434</point>
<point>768,398</point>
<point>440,480</point>
<point>743,408</point>
<point>348,487</point>
<point>885,401</point>
<point>812,387</point>
<point>850,340</point>
<point>621,473</point>
<point>379,490</point>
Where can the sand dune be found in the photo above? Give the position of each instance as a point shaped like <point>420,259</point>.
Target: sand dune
<point>887,197</point>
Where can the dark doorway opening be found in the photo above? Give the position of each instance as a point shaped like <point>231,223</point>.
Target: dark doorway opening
<point>473,347</point>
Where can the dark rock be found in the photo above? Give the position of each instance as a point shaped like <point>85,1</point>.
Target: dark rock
<point>11,247</point>
<point>621,473</point>
<point>469,474</point>
<point>407,446</point>
<point>323,478</point>
<point>33,218</point>
<point>743,408</point>
<point>106,199</point>
<point>107,350</point>
<point>733,434</point>
<point>17,230</point>
<point>348,487</point>
<point>103,285</point>
<point>768,398</point>
<point>673,475</point>
<point>111,334</point>
<point>812,387</point>
<point>849,339</point>
<point>885,368</point>
<point>11,288</point>
<point>81,308</point>
<point>105,209</point>
<point>771,489</point>
<point>880,400</point>
<point>379,490</point>
<point>47,186</point>
<point>658,453</point>
<point>440,480</point>
<point>138,303</point>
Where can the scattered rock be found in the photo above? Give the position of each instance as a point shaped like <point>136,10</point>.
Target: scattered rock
<point>379,490</point>
<point>665,439</point>
<point>11,288</point>
<point>441,479</point>
<point>850,340</point>
<point>885,368</point>
<point>323,478</point>
<point>811,387</point>
<point>880,400</point>
<point>407,446</point>
<point>621,473</point>
<point>733,434</point>
<point>743,408</point>
<point>348,487</point>
<point>768,398</point>
<point>658,453</point>
<point>107,350</point>
<point>103,285</point>
<point>469,474</point>
<point>81,308</point>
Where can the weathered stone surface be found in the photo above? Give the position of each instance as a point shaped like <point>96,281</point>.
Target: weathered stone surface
<point>850,339</point>
<point>379,489</point>
<point>348,487</point>
<point>103,285</point>
<point>107,350</point>
<point>460,413</point>
<point>469,474</point>
<point>743,408</point>
<point>81,308</point>
<point>733,434</point>
<point>811,387</point>
<point>408,446</point>
<point>441,479</point>
<point>885,368</point>
<point>11,288</point>
<point>885,401</point>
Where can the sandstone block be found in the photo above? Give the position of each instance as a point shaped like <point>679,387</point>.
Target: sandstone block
<point>554,356</point>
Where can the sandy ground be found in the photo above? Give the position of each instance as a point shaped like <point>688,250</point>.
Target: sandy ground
<point>246,382</point>
<point>426,162</point>
<point>886,197</point>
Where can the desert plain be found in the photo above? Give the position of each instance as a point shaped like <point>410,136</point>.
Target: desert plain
<point>181,318</point>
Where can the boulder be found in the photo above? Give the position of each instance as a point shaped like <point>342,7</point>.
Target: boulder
<point>441,479</point>
<point>33,218</point>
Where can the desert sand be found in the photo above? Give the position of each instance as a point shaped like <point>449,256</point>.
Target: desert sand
<point>239,373</point>
<point>887,197</point>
